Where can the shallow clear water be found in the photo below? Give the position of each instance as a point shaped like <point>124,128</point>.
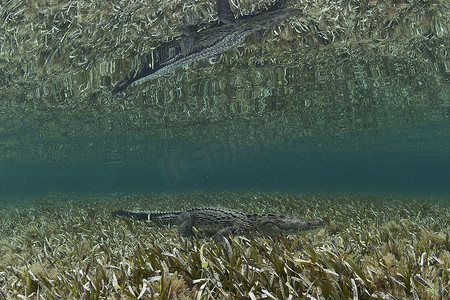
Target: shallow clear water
<point>412,160</point>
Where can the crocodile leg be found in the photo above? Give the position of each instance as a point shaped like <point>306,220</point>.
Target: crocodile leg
<point>226,232</point>
<point>185,223</point>
<point>224,11</point>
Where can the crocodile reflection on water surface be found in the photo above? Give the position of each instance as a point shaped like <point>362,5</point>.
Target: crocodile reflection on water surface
<point>194,45</point>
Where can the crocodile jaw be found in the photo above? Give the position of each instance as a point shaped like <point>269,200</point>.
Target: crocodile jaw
<point>284,225</point>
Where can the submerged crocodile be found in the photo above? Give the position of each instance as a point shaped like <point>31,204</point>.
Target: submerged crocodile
<point>221,222</point>
<point>196,45</point>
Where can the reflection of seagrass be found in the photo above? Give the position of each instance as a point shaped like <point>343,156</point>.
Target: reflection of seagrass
<point>336,68</point>
<point>86,50</point>
<point>205,44</point>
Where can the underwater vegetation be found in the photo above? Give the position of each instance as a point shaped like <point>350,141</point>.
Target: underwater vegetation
<point>373,247</point>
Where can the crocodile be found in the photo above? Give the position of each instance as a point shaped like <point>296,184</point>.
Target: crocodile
<point>194,45</point>
<point>220,222</point>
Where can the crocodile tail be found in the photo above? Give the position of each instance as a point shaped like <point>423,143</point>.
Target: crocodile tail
<point>132,215</point>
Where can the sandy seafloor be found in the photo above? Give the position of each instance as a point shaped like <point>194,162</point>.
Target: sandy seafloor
<point>62,246</point>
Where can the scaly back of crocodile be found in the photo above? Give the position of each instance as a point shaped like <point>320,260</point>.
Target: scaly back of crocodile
<point>220,221</point>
